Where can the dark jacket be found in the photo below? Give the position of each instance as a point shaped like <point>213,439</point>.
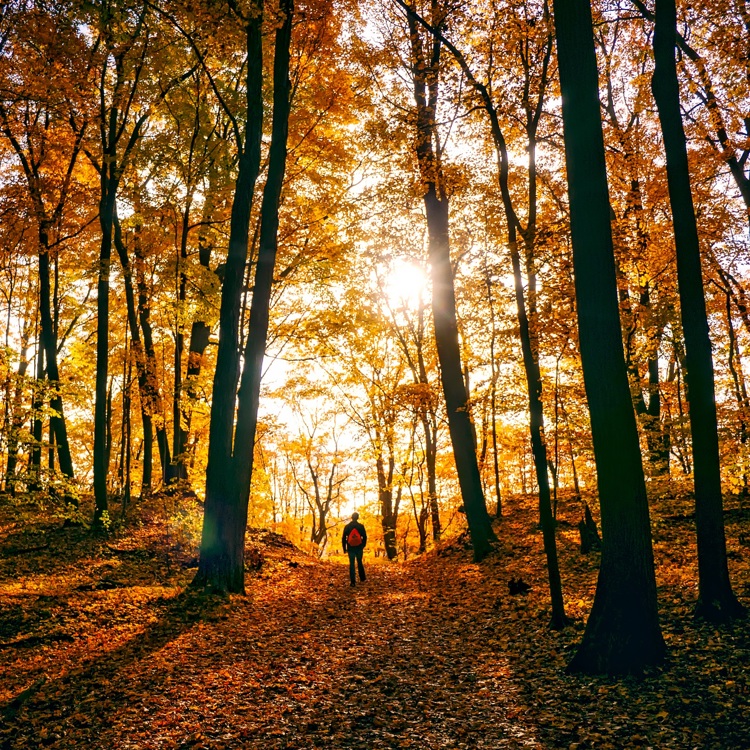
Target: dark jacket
<point>347,530</point>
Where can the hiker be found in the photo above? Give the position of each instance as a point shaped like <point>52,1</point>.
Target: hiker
<point>353,540</point>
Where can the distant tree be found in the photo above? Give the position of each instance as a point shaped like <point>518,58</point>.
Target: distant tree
<point>34,112</point>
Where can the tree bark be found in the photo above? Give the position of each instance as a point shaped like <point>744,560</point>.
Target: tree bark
<point>49,343</point>
<point>622,634</point>
<point>177,469</point>
<point>106,222</point>
<point>425,78</point>
<point>16,419</point>
<point>255,348</point>
<point>716,600</point>
<point>227,491</point>
<point>221,564</point>
<point>388,510</point>
<point>200,332</point>
<point>137,352</point>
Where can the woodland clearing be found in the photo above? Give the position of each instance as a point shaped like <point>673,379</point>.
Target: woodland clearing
<point>103,645</point>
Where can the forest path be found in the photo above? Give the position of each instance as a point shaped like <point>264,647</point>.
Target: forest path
<point>409,659</point>
<point>104,645</point>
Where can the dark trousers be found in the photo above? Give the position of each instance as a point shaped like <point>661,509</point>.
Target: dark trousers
<point>355,553</point>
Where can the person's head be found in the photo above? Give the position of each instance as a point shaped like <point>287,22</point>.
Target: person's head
<point>355,516</point>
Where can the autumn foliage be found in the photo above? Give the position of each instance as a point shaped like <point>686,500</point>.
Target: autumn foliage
<point>476,271</point>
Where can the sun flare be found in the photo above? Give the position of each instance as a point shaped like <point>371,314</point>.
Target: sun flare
<point>407,285</point>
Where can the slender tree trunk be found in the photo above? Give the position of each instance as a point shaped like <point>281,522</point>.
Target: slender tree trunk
<point>137,352</point>
<point>199,331</point>
<point>622,634</point>
<point>106,220</point>
<point>152,391</point>
<point>538,444</point>
<point>716,600</point>
<point>16,419</point>
<point>493,398</point>
<point>656,436</point>
<point>37,424</point>
<point>454,391</point>
<point>49,343</point>
<point>124,400</point>
<point>178,469</point>
<point>431,465</point>
<point>388,512</point>
<point>109,435</point>
<point>127,438</point>
<point>430,428</point>
<point>740,391</point>
<point>426,79</point>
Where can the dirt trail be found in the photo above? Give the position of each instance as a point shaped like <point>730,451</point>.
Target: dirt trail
<point>104,645</point>
<point>304,661</point>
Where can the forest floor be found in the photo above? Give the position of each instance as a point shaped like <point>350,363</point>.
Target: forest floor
<point>102,645</point>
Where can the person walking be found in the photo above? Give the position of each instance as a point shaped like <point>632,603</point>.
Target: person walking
<point>353,540</point>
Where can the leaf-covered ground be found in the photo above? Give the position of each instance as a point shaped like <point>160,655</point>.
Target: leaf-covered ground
<point>103,646</point>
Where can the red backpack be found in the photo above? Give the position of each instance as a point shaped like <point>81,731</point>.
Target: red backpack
<point>354,539</point>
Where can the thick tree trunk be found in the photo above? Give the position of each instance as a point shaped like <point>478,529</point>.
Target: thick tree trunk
<point>222,542</point>
<point>716,600</point>
<point>230,471</point>
<point>255,348</point>
<point>622,633</point>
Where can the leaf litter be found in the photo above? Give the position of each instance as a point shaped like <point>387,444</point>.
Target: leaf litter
<point>104,645</point>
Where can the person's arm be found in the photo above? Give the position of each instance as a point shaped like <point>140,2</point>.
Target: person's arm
<point>364,537</point>
<point>343,539</point>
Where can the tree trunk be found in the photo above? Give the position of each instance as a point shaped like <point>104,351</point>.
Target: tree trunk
<point>16,420</point>
<point>106,221</point>
<point>425,79</point>
<point>622,634</point>
<point>37,425</point>
<point>493,397</point>
<point>200,332</point>
<point>178,469</point>
<point>740,392</point>
<point>137,352</point>
<point>255,348</point>
<point>388,510</point>
<point>229,472</point>
<point>538,445</point>
<point>152,391</point>
<point>716,600</point>
<point>49,343</point>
